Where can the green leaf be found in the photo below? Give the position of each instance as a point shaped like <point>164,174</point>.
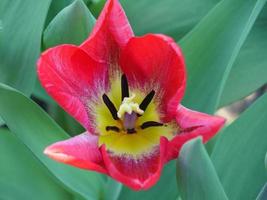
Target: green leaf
<point>112,189</point>
<point>22,23</point>
<point>249,71</point>
<point>239,153</point>
<point>171,17</point>
<point>72,25</point>
<point>211,48</point>
<point>263,193</point>
<point>55,7</point>
<point>196,176</point>
<point>22,175</point>
<point>266,161</point>
<point>36,130</point>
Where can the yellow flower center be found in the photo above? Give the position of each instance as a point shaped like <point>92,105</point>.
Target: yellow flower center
<point>130,124</point>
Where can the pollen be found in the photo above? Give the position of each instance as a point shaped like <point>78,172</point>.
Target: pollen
<point>129,106</point>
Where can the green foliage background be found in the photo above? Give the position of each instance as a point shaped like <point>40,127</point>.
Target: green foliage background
<point>225,45</point>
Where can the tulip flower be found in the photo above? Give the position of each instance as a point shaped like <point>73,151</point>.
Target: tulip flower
<point>126,92</point>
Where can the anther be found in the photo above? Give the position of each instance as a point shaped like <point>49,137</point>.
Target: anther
<point>150,124</point>
<point>112,128</point>
<point>110,106</point>
<point>131,131</point>
<point>124,87</point>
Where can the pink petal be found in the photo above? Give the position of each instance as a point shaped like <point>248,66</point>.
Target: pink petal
<point>155,62</point>
<point>73,79</point>
<point>80,151</point>
<point>111,33</point>
<point>193,124</point>
<point>137,173</point>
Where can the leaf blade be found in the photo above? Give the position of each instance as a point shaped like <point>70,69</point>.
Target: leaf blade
<point>241,138</point>
<point>196,175</point>
<point>30,179</point>
<point>209,57</point>
<point>39,132</point>
<point>20,46</point>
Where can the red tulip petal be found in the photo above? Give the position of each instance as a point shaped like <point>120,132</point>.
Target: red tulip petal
<point>73,79</point>
<point>193,124</point>
<point>137,173</point>
<point>155,62</point>
<point>80,151</point>
<point>111,33</point>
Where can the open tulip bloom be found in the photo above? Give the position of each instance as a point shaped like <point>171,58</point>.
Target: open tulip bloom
<point>126,92</point>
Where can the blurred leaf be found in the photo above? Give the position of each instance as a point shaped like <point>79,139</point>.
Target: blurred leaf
<point>239,153</point>
<point>55,7</point>
<point>249,71</point>
<point>21,174</point>
<point>171,17</point>
<point>72,25</point>
<point>1,121</point>
<point>22,23</point>
<point>112,189</point>
<point>166,188</point>
<point>266,161</point>
<point>211,48</point>
<point>36,130</point>
<point>196,176</point>
<point>263,193</point>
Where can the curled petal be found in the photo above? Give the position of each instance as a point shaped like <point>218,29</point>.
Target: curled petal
<point>155,62</point>
<point>111,33</point>
<point>73,79</point>
<point>80,151</point>
<point>193,124</point>
<point>136,172</point>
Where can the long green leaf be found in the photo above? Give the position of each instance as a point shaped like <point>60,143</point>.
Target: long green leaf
<point>196,175</point>
<point>72,25</point>
<point>239,153</point>
<point>211,48</point>
<point>249,71</point>
<point>36,130</point>
<point>21,174</point>
<point>22,23</point>
<point>171,17</point>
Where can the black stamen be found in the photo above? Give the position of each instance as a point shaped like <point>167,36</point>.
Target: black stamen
<point>150,124</point>
<point>147,100</point>
<point>131,131</point>
<point>110,106</point>
<point>112,128</point>
<point>124,87</point>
